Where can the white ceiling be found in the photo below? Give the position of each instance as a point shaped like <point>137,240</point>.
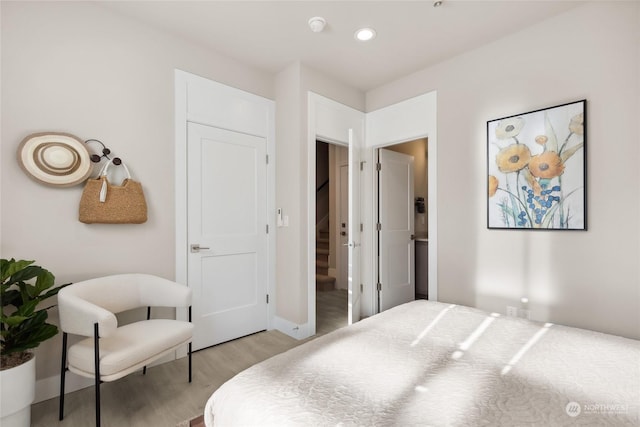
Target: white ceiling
<point>412,35</point>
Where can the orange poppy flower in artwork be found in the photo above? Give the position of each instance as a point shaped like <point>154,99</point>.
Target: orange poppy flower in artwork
<point>513,158</point>
<point>493,185</point>
<point>546,165</point>
<point>541,139</point>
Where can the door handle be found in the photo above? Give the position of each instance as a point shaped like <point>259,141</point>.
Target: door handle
<point>195,248</point>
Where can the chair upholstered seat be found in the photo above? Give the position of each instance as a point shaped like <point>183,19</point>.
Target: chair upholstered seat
<point>129,348</point>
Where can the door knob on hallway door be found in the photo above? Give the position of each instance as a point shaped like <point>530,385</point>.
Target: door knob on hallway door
<point>195,248</point>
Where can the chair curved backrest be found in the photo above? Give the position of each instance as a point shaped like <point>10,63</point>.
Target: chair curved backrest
<point>82,304</point>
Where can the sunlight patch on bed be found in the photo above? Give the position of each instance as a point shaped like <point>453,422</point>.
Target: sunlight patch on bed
<point>421,389</point>
<point>473,337</point>
<point>431,325</point>
<point>526,348</point>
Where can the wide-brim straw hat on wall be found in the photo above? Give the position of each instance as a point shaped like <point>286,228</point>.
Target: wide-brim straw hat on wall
<point>55,159</point>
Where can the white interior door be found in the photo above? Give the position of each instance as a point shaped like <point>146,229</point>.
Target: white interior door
<point>396,219</point>
<point>227,221</point>
<point>355,148</point>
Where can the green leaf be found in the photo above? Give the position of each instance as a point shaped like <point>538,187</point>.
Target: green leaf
<point>26,326</point>
<point>52,292</point>
<point>26,274</point>
<point>11,267</point>
<point>551,212</point>
<point>28,308</point>
<point>11,297</point>
<point>570,152</point>
<point>14,320</point>
<point>552,140</point>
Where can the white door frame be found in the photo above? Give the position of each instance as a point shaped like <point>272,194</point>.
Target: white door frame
<point>414,118</point>
<point>182,115</point>
<point>328,121</point>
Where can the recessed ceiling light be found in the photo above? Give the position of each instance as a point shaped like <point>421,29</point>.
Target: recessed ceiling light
<point>365,34</point>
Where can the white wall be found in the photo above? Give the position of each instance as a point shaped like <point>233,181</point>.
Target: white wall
<point>289,170</point>
<point>77,67</point>
<point>293,182</point>
<point>586,279</point>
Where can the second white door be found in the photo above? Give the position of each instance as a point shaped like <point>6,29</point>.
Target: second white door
<point>227,233</point>
<point>396,219</point>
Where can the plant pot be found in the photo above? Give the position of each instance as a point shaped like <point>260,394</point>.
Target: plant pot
<point>17,393</point>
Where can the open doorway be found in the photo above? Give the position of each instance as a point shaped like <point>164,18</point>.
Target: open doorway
<point>402,218</point>
<point>332,197</point>
<point>332,121</point>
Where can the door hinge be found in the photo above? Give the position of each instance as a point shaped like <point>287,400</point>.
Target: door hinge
<point>361,288</point>
<point>361,227</point>
<point>378,166</point>
<point>379,287</point>
<point>362,165</point>
<point>267,298</point>
<point>267,156</point>
<point>378,226</point>
<point>267,228</point>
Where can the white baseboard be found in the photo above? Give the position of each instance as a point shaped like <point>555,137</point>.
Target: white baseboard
<point>294,330</point>
<point>48,388</point>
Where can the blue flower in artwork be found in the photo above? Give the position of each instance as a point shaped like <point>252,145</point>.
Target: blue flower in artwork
<point>539,204</point>
<point>522,218</point>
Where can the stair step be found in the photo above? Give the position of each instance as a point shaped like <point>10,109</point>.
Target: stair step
<point>324,278</point>
<point>322,266</point>
<point>322,263</point>
<point>322,240</point>
<point>325,283</point>
<point>322,251</point>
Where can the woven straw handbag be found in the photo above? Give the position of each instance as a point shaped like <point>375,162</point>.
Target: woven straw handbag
<point>105,203</point>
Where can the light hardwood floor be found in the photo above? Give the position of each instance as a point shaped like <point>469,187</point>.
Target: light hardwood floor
<point>164,397</point>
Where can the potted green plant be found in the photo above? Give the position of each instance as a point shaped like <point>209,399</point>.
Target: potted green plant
<point>23,326</point>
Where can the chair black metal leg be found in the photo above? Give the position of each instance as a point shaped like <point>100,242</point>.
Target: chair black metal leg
<point>144,369</point>
<point>189,362</point>
<point>96,350</point>
<point>63,371</point>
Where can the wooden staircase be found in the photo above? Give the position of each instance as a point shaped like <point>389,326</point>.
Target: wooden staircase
<point>324,282</point>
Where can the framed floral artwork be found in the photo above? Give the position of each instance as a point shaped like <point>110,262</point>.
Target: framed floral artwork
<point>536,163</point>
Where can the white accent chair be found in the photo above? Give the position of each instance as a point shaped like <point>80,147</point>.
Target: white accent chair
<point>110,352</point>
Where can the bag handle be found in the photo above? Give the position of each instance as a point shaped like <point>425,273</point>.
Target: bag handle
<point>103,173</point>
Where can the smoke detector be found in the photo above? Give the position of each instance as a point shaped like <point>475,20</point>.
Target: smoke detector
<point>317,24</point>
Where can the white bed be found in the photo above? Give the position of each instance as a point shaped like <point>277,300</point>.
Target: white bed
<point>428,363</point>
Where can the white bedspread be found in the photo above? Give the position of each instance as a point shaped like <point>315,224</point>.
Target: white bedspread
<point>427,363</point>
